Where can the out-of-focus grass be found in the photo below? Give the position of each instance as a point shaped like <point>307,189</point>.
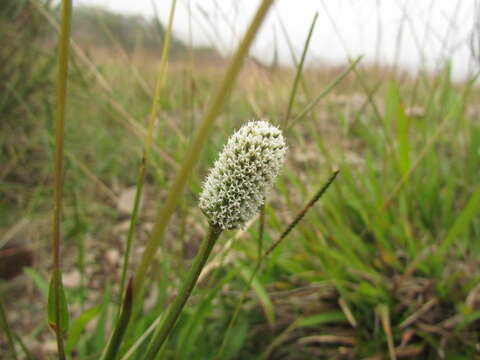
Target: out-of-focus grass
<point>25,79</point>
<point>385,263</point>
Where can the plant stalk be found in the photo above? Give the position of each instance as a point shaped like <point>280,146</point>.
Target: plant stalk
<point>7,329</point>
<point>161,333</point>
<point>64,45</point>
<point>226,336</point>
<point>115,341</point>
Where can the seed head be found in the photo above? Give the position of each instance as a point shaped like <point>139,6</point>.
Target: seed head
<point>242,175</point>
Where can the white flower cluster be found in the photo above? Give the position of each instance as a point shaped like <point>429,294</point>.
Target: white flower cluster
<point>245,170</point>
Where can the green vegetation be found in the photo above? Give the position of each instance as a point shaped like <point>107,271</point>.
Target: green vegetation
<point>22,73</point>
<point>384,265</point>
<point>25,81</point>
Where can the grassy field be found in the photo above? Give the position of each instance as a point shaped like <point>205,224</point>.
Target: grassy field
<point>381,267</point>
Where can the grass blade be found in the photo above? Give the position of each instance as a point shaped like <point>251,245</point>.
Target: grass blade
<point>300,69</point>
<point>318,319</point>
<point>56,314</point>
<point>7,329</point>
<point>327,90</point>
<point>302,213</point>
<point>53,307</point>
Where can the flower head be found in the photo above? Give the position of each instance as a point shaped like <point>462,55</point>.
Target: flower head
<point>243,173</point>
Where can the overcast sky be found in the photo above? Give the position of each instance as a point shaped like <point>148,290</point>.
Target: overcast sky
<point>413,31</point>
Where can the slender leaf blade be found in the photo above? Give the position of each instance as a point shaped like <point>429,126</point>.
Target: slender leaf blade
<point>64,317</point>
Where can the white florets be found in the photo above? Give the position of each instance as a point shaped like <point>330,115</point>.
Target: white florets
<point>243,173</point>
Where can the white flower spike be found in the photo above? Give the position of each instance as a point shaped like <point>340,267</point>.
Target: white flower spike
<point>242,175</point>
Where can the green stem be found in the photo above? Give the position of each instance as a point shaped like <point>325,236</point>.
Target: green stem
<point>131,230</point>
<point>59,134</point>
<point>115,341</point>
<point>6,328</point>
<point>261,230</point>
<point>161,333</point>
<point>192,156</point>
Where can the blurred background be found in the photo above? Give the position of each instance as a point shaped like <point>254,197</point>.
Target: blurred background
<point>384,267</point>
<point>407,33</point>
